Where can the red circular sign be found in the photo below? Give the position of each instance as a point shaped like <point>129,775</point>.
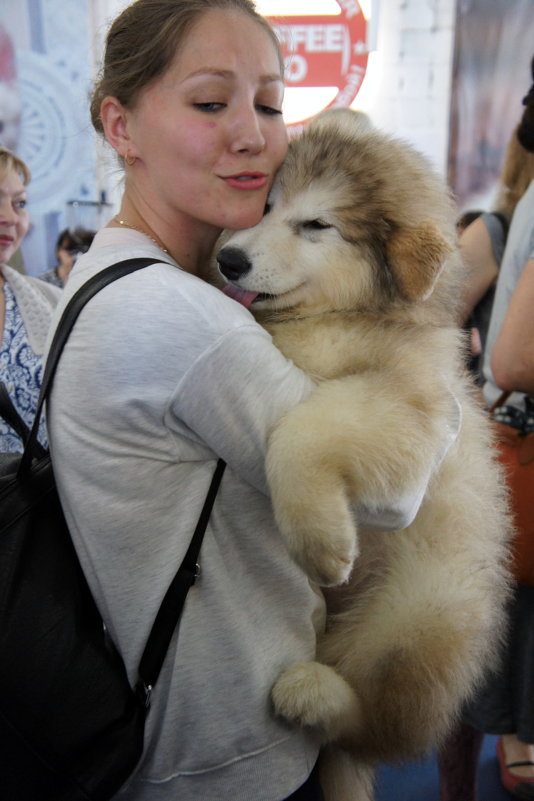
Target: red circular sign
<point>325,50</point>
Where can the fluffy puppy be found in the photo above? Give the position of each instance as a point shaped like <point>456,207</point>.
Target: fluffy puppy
<point>354,270</point>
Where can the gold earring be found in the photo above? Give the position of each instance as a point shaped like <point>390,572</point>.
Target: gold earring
<point>130,160</point>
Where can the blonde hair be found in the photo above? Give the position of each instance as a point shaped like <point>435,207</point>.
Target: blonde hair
<point>9,161</point>
<point>516,174</point>
<point>143,40</point>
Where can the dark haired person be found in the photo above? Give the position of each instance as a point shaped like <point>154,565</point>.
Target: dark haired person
<point>69,245</point>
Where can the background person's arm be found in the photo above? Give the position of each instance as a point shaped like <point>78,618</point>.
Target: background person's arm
<point>482,269</point>
<point>512,360</point>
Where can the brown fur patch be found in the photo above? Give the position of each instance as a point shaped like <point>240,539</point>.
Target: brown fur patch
<point>416,256</point>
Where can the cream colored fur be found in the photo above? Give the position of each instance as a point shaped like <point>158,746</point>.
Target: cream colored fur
<point>358,262</point>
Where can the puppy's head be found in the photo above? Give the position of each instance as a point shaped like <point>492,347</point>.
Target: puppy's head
<point>355,220</point>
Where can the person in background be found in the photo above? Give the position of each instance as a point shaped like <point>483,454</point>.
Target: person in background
<point>26,306</point>
<point>475,347</point>
<point>512,361</point>
<point>162,375</point>
<point>70,244</point>
<point>482,245</point>
<point>505,705</point>
<point>466,218</point>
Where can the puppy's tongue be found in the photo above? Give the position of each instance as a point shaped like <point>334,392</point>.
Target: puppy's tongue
<point>242,296</point>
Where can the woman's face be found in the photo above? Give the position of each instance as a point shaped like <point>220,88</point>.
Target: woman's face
<point>14,220</point>
<point>209,134</point>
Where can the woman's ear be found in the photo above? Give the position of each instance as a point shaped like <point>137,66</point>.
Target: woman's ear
<point>115,122</point>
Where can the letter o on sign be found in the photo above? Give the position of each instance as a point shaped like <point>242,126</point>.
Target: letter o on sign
<point>296,69</point>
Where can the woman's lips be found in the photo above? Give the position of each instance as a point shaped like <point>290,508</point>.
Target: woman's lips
<point>6,241</point>
<point>247,180</point>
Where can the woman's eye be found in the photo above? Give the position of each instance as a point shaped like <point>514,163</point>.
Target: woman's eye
<point>315,225</point>
<point>209,106</point>
<point>270,110</point>
<point>20,204</point>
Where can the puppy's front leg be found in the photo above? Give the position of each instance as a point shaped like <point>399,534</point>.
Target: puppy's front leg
<point>353,442</point>
<point>310,501</point>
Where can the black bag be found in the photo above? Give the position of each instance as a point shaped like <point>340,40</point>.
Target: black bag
<point>71,727</point>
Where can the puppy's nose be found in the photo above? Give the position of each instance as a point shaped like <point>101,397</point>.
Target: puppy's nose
<point>233,263</point>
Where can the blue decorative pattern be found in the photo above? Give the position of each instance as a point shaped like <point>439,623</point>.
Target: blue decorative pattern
<point>54,41</point>
<point>21,370</point>
<point>52,277</point>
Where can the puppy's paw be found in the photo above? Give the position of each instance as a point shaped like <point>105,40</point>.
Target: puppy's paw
<point>326,556</point>
<point>314,695</point>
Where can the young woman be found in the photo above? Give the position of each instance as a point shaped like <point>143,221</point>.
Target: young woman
<point>482,245</point>
<point>162,375</point>
<point>26,305</point>
<point>504,706</point>
<point>507,708</point>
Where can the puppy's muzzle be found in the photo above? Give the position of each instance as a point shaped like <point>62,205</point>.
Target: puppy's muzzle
<point>233,263</point>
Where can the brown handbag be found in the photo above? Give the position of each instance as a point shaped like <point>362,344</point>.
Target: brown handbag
<point>515,449</point>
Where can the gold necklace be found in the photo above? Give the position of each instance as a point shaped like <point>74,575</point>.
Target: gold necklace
<point>140,231</point>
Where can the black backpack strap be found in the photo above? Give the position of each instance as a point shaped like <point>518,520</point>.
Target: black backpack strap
<point>68,318</point>
<point>173,602</point>
<point>174,599</point>
<point>10,414</point>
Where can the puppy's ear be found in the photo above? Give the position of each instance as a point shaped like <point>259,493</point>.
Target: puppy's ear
<point>345,120</point>
<point>415,257</point>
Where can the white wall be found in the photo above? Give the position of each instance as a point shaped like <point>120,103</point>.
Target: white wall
<point>409,87</point>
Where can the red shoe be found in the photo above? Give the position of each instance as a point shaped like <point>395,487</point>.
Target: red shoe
<point>520,786</point>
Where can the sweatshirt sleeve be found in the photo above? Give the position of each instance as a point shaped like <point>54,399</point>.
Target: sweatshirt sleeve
<point>233,396</point>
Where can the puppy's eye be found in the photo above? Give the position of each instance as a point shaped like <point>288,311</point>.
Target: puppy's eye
<point>315,225</point>
<point>267,209</point>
